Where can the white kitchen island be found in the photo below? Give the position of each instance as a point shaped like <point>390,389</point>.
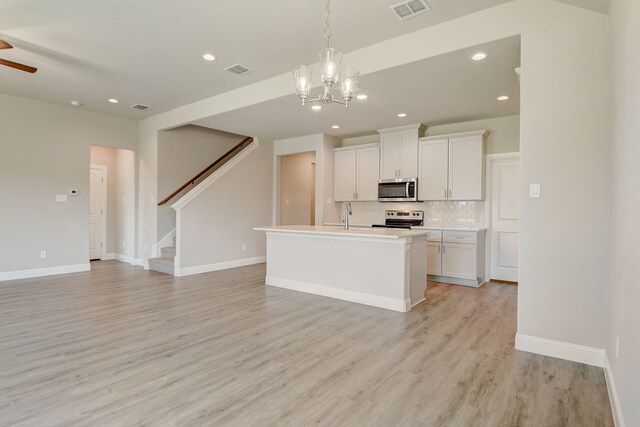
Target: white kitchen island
<point>381,267</point>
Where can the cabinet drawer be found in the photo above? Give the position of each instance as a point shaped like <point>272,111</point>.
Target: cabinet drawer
<point>460,237</point>
<point>434,235</point>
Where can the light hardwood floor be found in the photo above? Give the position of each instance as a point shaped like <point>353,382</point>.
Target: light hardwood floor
<point>121,346</point>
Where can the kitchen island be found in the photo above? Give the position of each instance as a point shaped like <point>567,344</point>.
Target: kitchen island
<point>381,267</point>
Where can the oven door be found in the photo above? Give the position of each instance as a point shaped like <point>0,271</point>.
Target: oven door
<point>397,190</point>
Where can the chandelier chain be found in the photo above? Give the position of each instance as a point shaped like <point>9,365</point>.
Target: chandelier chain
<point>327,31</point>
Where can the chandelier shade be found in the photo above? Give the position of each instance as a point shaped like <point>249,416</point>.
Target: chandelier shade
<point>330,62</point>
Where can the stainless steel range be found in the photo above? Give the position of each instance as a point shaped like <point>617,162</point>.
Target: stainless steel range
<point>401,219</point>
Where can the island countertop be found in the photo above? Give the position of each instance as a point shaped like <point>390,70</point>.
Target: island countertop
<point>379,233</point>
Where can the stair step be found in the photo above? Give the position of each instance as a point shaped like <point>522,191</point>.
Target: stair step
<point>162,265</point>
<point>169,251</point>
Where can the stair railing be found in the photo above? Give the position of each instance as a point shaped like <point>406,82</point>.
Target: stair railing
<point>192,181</point>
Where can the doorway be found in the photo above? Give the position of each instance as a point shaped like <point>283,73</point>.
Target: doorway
<point>504,179</point>
<point>297,189</point>
<point>97,211</point>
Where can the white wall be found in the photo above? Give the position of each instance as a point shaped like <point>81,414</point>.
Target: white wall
<point>216,223</point>
<point>46,151</point>
<point>624,293</point>
<point>184,152</point>
<point>125,204</point>
<point>295,188</point>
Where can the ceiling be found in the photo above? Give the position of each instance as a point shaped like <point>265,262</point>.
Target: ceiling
<point>444,89</point>
<point>149,52</point>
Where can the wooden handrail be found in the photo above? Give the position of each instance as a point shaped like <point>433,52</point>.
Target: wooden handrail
<point>207,169</point>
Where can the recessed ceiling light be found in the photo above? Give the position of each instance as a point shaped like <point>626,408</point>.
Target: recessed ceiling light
<point>503,98</point>
<point>76,103</point>
<point>402,115</point>
<point>335,127</point>
<point>113,100</point>
<point>316,107</point>
<point>362,96</point>
<point>208,57</point>
<point>478,56</point>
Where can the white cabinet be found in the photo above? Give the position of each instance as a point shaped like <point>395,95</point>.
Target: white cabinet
<point>399,151</point>
<point>451,167</point>
<point>456,257</point>
<point>355,173</point>
<point>434,258</point>
<point>459,260</point>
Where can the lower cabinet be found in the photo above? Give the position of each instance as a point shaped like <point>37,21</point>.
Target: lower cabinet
<point>456,257</point>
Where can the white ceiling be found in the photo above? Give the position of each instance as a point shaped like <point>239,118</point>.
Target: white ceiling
<point>445,89</point>
<point>148,51</point>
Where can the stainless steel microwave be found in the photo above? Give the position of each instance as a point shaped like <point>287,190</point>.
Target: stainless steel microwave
<point>398,190</point>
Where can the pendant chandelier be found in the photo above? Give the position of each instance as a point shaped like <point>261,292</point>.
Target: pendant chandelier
<point>330,73</point>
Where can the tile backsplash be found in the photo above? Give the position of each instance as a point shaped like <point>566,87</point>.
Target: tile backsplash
<point>442,213</point>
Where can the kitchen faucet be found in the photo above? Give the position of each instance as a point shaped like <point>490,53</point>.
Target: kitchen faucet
<point>347,212</point>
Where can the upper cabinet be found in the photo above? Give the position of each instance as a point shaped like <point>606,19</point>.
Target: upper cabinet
<point>399,151</point>
<point>452,167</point>
<point>356,173</point>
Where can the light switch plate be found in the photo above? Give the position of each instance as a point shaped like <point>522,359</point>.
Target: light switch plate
<point>534,190</point>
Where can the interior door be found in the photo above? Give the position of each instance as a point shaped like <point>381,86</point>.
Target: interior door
<point>96,211</point>
<point>505,218</point>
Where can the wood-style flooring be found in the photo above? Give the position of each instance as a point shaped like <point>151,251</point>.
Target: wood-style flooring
<point>121,346</point>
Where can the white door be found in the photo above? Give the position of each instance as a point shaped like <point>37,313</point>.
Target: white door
<point>505,217</point>
<point>368,161</point>
<point>96,212</point>
<point>389,155</point>
<point>466,168</point>
<point>432,178</point>
<point>408,154</point>
<point>344,179</point>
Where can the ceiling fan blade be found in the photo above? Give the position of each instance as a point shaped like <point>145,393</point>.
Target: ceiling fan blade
<point>17,66</point>
<point>5,45</point>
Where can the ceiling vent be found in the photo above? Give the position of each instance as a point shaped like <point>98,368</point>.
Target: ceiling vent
<point>238,69</point>
<point>409,9</point>
<point>140,107</point>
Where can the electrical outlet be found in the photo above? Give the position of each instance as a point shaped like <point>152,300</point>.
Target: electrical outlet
<point>244,247</point>
<point>43,254</point>
<point>617,348</point>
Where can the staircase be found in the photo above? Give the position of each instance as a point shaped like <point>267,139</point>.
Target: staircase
<point>164,264</point>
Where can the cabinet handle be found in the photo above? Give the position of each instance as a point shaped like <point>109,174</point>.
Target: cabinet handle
<point>449,193</point>
<point>356,195</point>
<point>444,249</point>
<point>445,193</point>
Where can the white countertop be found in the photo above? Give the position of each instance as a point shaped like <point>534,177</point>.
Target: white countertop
<point>380,233</point>
<point>421,227</point>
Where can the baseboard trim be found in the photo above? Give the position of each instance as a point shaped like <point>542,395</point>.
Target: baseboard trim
<point>454,281</point>
<point>41,272</point>
<point>616,409</point>
<point>341,294</point>
<point>199,269</point>
<point>561,350</point>
<point>109,256</point>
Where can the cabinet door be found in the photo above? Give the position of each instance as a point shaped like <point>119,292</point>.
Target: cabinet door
<point>408,154</point>
<point>389,155</point>
<point>466,168</point>
<point>367,173</point>
<point>434,258</point>
<point>459,260</point>
<point>344,175</point>
<point>433,174</point>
